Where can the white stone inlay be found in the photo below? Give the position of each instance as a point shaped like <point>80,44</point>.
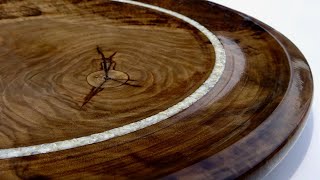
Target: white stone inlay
<point>129,128</point>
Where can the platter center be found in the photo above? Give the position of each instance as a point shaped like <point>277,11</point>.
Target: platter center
<point>160,68</point>
<point>114,79</point>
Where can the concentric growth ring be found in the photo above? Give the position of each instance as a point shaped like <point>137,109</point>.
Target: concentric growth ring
<point>220,60</point>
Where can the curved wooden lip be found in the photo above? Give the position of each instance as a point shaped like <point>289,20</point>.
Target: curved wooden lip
<point>264,168</point>
<point>265,164</point>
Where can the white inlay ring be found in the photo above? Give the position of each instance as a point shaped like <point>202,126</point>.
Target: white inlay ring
<point>129,128</point>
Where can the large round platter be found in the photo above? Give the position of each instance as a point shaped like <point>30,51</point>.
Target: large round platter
<point>145,89</point>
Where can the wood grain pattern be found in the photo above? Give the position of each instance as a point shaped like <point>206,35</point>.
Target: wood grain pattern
<point>44,73</point>
<point>260,101</point>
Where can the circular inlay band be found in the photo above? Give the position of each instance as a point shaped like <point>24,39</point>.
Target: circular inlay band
<point>129,128</point>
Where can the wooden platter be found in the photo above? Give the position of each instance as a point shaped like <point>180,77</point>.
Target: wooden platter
<point>121,89</point>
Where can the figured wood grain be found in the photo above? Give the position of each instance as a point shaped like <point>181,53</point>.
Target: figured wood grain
<point>260,101</point>
<point>46,62</point>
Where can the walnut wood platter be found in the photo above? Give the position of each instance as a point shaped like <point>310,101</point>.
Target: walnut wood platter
<point>118,89</point>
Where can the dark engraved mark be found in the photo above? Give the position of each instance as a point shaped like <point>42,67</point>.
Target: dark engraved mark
<point>30,11</point>
<point>126,82</point>
<point>94,91</point>
<point>107,64</point>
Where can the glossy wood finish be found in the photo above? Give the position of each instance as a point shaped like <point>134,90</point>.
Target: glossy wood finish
<point>260,101</point>
<point>45,73</point>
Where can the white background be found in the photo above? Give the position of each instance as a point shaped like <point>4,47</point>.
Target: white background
<point>299,20</point>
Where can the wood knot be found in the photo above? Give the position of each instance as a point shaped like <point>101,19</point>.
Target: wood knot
<point>114,79</point>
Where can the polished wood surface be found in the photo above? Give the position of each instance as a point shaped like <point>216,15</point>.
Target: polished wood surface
<point>48,65</point>
<point>49,49</point>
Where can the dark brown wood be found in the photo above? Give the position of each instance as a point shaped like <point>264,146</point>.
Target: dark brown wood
<point>49,49</point>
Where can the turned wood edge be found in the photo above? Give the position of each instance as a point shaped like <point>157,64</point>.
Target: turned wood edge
<point>273,160</point>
